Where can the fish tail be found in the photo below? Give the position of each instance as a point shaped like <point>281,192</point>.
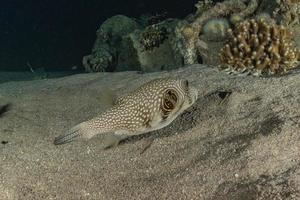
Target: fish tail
<point>78,131</point>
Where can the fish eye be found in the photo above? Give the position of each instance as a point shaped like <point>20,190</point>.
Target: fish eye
<point>170,100</point>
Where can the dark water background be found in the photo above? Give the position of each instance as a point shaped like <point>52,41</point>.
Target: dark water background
<point>56,34</point>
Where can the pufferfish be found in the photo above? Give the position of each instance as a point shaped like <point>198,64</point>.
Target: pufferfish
<point>150,107</point>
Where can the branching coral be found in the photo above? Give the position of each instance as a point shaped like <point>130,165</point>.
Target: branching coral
<point>259,48</point>
<point>193,45</point>
<point>153,36</point>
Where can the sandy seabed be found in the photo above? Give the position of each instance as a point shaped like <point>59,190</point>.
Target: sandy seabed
<point>240,140</point>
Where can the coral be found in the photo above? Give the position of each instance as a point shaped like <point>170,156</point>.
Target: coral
<point>265,17</point>
<point>210,31</point>
<point>115,27</point>
<point>195,39</point>
<point>163,57</point>
<point>157,18</point>
<point>192,45</point>
<point>259,48</point>
<point>250,9</point>
<point>219,10</point>
<point>153,36</point>
<point>252,5</point>
<point>240,16</point>
<point>236,18</point>
<point>147,20</point>
<point>216,29</point>
<point>213,36</point>
<point>289,10</point>
<point>287,13</point>
<point>99,61</point>
<point>229,7</point>
<point>186,39</point>
<point>203,6</point>
<point>266,6</point>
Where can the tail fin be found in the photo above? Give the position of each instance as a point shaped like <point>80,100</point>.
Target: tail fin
<point>66,138</point>
<point>79,131</point>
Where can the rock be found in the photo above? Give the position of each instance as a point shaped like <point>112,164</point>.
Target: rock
<point>296,36</point>
<point>211,55</point>
<point>164,56</point>
<point>119,47</point>
<point>160,58</point>
<point>239,141</point>
<point>216,29</point>
<point>107,47</point>
<point>267,6</point>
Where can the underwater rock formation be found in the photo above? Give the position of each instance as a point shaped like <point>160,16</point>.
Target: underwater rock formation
<point>193,46</point>
<point>187,43</point>
<point>216,29</point>
<point>106,49</point>
<point>119,33</point>
<point>284,12</point>
<point>152,37</point>
<point>154,43</point>
<point>259,48</point>
<point>249,10</point>
<point>288,11</point>
<point>155,47</point>
<point>122,44</point>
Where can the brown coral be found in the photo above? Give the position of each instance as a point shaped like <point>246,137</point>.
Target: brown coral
<point>153,36</point>
<point>259,48</point>
<point>207,10</point>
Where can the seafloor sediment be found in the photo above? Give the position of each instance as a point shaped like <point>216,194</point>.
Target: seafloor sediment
<point>240,140</point>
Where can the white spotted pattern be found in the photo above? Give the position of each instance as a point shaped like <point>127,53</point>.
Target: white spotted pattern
<point>152,106</point>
